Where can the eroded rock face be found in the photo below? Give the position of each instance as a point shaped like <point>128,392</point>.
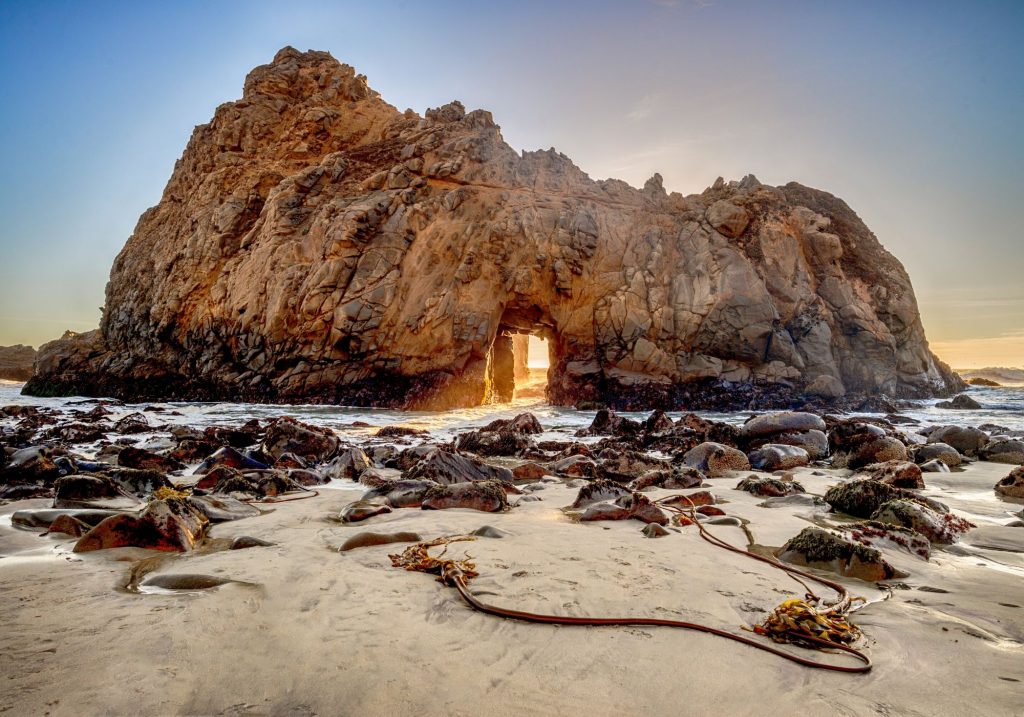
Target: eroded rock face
<point>16,362</point>
<point>314,244</point>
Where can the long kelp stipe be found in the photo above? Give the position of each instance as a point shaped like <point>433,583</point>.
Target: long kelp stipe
<point>796,621</point>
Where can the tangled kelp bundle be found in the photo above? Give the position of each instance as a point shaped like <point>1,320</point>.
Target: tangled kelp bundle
<point>457,572</point>
<point>418,558</point>
<point>799,621</point>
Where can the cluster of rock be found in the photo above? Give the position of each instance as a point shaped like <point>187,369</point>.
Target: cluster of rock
<point>133,496</point>
<point>314,244</point>
<point>16,362</point>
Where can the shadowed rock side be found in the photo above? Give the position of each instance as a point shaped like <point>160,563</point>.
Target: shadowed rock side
<point>314,244</point>
<point>16,362</point>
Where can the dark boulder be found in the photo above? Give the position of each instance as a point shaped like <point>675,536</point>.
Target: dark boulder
<point>169,525</point>
<point>86,491</point>
<point>287,435</point>
<point>962,402</point>
<point>222,508</point>
<point>363,509</point>
<point>1012,486</point>
<point>634,506</point>
<point>487,496</point>
<point>769,487</point>
<point>716,460</point>
<point>777,456</point>
<point>598,491</point>
<point>404,493</point>
<point>132,457</point>
<point>449,468</point>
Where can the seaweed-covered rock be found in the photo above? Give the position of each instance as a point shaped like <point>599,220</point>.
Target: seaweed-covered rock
<point>943,528</point>
<point>824,550</point>
<point>192,450</point>
<point>133,423</point>
<point>598,491</point>
<point>847,436</point>
<point>774,457</point>
<point>1012,486</point>
<point>525,423</point>
<point>90,491</point>
<point>348,465</point>
<point>658,422</point>
<point>139,482</point>
<point>607,423</point>
<point>890,537</point>
<point>677,478</point>
<point>494,443</point>
<point>139,458</point>
<point>625,466</point>
<point>231,458</point>
<point>287,435</point>
<point>171,525</point>
<point>901,474</point>
<point>487,496</point>
<point>860,498</point>
<point>769,487</point>
<point>257,484</point>
<point>34,464</point>
<point>449,468</point>
<point>716,460</point>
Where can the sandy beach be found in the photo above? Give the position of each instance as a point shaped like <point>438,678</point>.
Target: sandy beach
<point>310,630</point>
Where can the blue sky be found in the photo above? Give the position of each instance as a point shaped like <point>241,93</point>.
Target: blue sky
<point>911,113</point>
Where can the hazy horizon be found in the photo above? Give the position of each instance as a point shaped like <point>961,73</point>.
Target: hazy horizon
<point>910,115</point>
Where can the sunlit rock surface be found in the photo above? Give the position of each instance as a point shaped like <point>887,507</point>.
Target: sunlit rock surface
<point>315,244</point>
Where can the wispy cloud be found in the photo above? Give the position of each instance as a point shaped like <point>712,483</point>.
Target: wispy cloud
<point>645,107</point>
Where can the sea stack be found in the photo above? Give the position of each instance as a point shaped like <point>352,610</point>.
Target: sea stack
<point>315,244</point>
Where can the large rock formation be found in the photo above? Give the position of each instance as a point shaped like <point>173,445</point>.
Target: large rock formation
<point>316,244</point>
<point>16,362</point>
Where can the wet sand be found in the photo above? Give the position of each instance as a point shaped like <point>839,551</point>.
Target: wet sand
<point>315,631</point>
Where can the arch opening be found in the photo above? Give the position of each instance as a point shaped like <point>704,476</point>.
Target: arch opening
<point>520,358</point>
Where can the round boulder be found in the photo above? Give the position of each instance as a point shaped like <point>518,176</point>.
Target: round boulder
<point>716,460</point>
<point>1012,486</point>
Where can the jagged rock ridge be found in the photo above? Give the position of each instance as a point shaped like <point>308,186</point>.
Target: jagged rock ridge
<point>316,244</point>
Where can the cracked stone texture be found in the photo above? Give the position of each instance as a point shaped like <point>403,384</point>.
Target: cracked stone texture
<point>316,244</point>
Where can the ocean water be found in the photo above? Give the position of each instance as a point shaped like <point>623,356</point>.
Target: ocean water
<point>1000,406</point>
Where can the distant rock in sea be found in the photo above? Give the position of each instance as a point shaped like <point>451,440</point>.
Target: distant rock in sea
<point>16,362</point>
<point>315,244</point>
<point>993,376</point>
